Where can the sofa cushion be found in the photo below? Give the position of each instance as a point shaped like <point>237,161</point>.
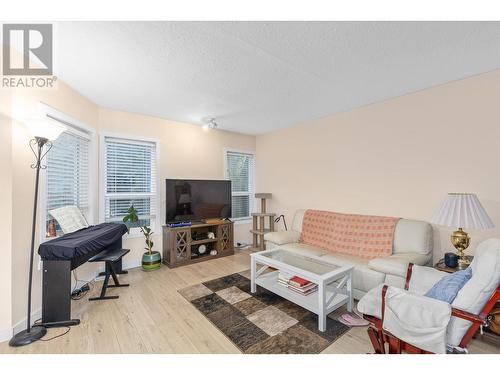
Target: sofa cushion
<point>298,218</point>
<point>303,249</point>
<point>397,264</point>
<point>412,236</point>
<point>282,237</point>
<point>363,278</point>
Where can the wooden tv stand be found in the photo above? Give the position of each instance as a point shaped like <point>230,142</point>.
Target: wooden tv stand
<point>180,245</point>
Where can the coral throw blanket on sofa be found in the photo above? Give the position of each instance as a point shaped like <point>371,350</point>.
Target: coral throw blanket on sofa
<point>360,235</point>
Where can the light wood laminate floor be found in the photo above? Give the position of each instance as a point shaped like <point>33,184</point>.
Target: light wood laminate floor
<point>151,317</point>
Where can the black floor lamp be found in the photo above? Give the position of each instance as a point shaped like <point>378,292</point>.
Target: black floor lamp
<point>43,132</point>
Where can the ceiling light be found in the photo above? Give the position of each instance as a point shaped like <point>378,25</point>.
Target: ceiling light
<point>210,124</point>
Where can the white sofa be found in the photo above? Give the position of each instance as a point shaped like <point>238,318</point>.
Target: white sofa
<point>412,244</point>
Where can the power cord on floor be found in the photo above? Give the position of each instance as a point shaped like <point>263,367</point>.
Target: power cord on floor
<point>77,295</point>
<point>74,296</point>
<point>68,328</point>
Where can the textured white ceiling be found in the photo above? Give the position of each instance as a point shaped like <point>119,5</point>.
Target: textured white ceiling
<point>256,77</point>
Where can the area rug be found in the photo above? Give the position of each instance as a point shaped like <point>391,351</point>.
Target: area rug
<point>263,322</point>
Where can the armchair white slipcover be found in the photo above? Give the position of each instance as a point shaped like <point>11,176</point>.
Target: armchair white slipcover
<point>471,300</point>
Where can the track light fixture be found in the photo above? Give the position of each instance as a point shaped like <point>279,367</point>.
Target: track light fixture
<point>210,124</point>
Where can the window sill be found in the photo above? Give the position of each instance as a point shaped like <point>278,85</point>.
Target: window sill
<point>242,221</point>
<point>136,235</point>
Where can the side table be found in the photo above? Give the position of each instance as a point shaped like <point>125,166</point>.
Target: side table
<point>443,267</point>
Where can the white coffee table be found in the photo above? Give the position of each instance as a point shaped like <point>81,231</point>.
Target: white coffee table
<point>334,282</point>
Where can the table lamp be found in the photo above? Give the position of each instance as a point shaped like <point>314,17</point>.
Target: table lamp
<point>185,200</point>
<point>462,210</point>
<point>43,132</point>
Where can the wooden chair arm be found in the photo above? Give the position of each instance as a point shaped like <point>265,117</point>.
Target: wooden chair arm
<point>408,275</point>
<point>474,318</point>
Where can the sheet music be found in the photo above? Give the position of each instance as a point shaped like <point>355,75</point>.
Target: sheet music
<point>70,218</point>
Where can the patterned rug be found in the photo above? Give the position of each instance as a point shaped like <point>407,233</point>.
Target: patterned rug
<point>261,323</point>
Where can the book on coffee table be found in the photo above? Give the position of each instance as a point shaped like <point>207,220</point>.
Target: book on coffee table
<point>297,284</point>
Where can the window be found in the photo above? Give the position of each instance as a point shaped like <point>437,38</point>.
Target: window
<point>240,169</point>
<point>130,179</point>
<point>68,181</point>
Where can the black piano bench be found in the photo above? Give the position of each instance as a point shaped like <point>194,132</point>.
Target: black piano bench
<point>109,257</point>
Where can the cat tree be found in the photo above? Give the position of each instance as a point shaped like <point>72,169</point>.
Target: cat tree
<point>259,222</point>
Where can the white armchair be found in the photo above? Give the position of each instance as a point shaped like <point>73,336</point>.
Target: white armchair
<point>408,321</point>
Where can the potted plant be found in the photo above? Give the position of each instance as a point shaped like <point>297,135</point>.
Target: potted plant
<point>151,260</point>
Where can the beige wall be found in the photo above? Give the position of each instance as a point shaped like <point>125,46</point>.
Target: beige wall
<point>6,222</point>
<point>396,158</point>
<point>25,104</point>
<point>185,152</point>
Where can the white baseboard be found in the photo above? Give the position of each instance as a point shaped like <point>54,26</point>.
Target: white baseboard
<point>132,264</point>
<point>5,334</point>
<point>19,326</point>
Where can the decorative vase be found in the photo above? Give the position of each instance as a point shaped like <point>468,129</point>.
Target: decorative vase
<point>451,260</point>
<point>151,262</point>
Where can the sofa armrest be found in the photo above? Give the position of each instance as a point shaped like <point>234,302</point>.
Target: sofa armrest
<point>282,237</point>
<point>397,264</point>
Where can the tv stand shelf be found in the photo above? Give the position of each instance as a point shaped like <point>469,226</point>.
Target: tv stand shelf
<point>179,245</point>
<point>201,242</point>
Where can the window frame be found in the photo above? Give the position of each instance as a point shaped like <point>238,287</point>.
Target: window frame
<point>156,223</point>
<point>251,184</point>
<point>81,129</point>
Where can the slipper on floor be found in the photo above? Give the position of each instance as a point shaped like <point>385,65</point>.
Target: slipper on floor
<point>353,321</point>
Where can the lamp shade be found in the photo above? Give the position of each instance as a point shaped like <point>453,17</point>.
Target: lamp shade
<point>184,198</point>
<point>44,128</point>
<point>462,210</point>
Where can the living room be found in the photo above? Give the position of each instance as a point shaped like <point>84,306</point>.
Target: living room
<point>250,187</point>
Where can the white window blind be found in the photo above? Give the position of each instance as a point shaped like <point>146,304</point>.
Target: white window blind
<point>240,169</point>
<point>68,180</point>
<point>130,179</point>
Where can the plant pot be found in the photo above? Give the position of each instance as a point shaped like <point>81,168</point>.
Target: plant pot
<point>151,262</point>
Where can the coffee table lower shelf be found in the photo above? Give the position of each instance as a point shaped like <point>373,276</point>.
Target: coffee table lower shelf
<point>334,281</point>
<point>310,302</point>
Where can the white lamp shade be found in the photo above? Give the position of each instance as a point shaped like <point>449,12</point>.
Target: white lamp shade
<point>45,128</point>
<point>462,210</point>
<point>184,198</point>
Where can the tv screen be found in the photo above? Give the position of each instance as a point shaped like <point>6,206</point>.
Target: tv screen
<point>197,200</point>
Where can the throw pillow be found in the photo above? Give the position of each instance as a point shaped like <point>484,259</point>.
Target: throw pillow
<point>448,287</point>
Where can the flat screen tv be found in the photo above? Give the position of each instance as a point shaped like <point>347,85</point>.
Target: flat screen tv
<point>197,200</point>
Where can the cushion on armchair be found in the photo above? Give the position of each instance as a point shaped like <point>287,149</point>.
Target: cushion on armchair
<point>417,320</point>
<point>475,294</point>
<point>448,287</point>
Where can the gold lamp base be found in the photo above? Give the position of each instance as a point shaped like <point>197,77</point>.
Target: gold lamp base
<point>461,241</point>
